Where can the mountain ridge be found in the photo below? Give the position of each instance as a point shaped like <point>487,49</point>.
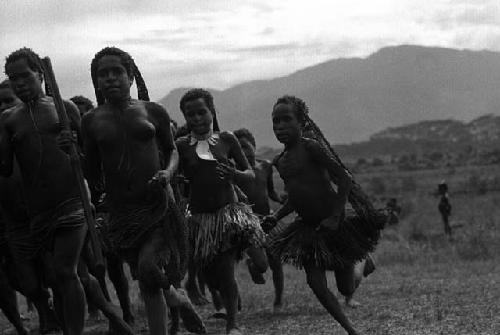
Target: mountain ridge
<point>353,98</point>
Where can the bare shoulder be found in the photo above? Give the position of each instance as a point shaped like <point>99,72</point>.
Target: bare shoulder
<point>228,137</point>
<point>155,109</point>
<point>277,158</point>
<point>182,143</point>
<point>10,114</point>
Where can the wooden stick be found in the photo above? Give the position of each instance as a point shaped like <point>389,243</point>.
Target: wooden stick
<point>75,163</point>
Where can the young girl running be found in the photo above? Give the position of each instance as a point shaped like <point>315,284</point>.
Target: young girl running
<point>320,239</point>
<point>220,227</point>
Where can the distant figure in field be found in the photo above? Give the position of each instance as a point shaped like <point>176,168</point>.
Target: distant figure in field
<point>444,206</point>
<point>84,104</point>
<point>393,210</point>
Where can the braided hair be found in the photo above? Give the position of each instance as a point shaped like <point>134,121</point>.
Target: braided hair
<point>358,199</point>
<point>244,133</point>
<point>196,93</point>
<point>32,59</point>
<point>132,70</point>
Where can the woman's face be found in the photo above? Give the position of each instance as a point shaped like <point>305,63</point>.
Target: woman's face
<point>112,78</point>
<point>198,116</point>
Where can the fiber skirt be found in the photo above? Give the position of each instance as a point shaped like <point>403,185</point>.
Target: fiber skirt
<point>232,227</point>
<point>302,243</point>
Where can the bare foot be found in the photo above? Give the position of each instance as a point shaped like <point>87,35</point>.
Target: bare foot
<point>277,308</point>
<point>192,321</point>
<point>234,331</point>
<point>350,302</point>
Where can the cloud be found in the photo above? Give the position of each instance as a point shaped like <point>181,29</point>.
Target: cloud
<point>218,43</point>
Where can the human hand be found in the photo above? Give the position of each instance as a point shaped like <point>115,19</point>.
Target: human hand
<point>225,171</point>
<point>268,223</point>
<point>66,139</point>
<point>161,178</point>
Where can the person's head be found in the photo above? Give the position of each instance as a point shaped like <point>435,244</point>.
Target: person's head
<point>7,97</point>
<point>289,116</point>
<point>247,142</point>
<point>197,106</point>
<point>84,105</point>
<point>442,187</point>
<point>25,72</point>
<point>113,72</point>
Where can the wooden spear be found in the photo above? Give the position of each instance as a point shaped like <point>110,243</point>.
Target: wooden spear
<point>75,163</point>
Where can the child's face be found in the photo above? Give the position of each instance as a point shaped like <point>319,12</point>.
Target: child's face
<point>286,126</point>
<point>25,82</point>
<point>198,116</point>
<point>82,107</point>
<point>248,149</point>
<point>7,99</point>
<point>112,79</point>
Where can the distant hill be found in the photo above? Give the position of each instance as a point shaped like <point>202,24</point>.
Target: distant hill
<point>354,98</point>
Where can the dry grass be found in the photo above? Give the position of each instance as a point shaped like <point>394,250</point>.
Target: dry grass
<point>424,283</point>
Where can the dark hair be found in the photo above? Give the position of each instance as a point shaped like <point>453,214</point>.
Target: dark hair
<point>33,60</point>
<point>81,100</point>
<point>197,93</point>
<point>5,84</point>
<point>244,133</point>
<point>31,57</point>
<point>300,108</point>
<point>132,70</point>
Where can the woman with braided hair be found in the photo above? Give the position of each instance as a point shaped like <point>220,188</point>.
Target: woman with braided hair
<point>321,238</point>
<point>220,227</point>
<point>129,143</point>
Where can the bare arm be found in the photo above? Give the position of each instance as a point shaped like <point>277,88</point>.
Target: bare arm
<point>271,191</point>
<point>92,158</point>
<point>6,150</point>
<point>243,172</point>
<point>284,211</point>
<point>165,140</point>
<point>74,120</point>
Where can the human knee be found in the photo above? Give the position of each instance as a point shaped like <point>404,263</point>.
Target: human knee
<point>149,276</point>
<point>65,274</point>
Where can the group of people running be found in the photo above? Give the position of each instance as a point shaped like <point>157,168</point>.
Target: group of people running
<point>170,201</point>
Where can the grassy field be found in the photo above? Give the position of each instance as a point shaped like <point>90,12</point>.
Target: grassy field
<point>424,283</point>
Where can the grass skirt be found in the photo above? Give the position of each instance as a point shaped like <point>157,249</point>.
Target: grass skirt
<point>300,243</point>
<point>233,226</point>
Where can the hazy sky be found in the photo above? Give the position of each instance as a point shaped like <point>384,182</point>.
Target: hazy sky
<point>215,43</point>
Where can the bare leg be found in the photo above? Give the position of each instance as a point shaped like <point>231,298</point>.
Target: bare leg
<point>316,279</point>
<point>223,271</point>
<point>120,282</point>
<point>192,287</point>
<point>25,278</point>
<point>257,264</point>
<point>151,282</point>
<point>67,247</point>
<point>95,296</point>
<point>278,280</point>
<point>8,304</point>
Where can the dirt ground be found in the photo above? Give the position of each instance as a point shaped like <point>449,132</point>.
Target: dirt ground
<point>446,298</point>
